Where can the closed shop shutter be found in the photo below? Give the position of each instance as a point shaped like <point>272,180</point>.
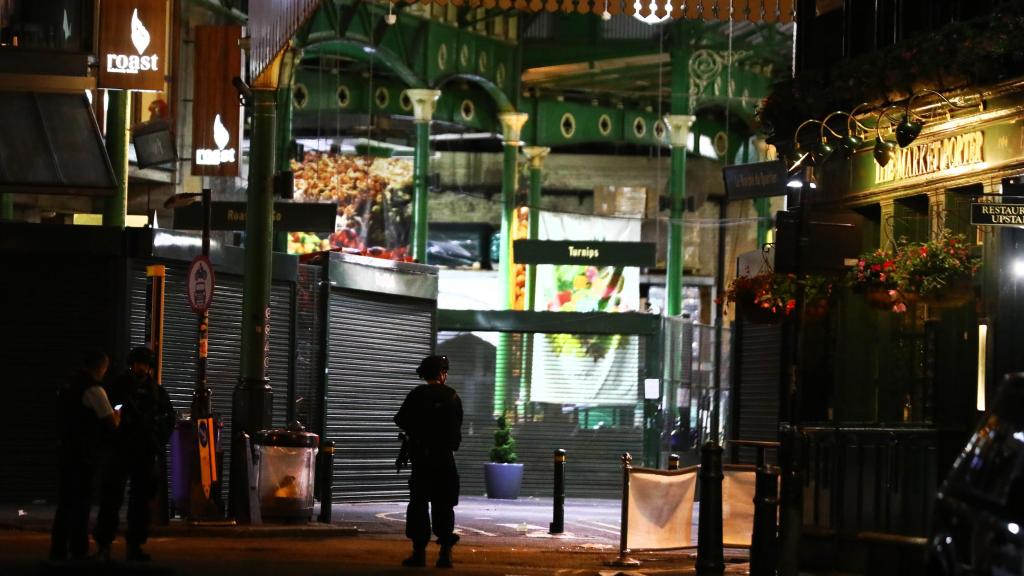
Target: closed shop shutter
<point>309,322</point>
<point>225,343</point>
<point>593,437</point>
<point>53,307</point>
<point>375,343</point>
<point>757,389</point>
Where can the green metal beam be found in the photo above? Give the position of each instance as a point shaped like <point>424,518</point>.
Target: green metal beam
<point>501,101</point>
<point>326,44</point>
<point>557,52</point>
<point>548,322</point>
<point>220,9</point>
<point>115,208</point>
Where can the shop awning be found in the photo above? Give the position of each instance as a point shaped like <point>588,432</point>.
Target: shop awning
<point>51,144</point>
<point>707,10</point>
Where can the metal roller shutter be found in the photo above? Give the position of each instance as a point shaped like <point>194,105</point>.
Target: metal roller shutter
<point>756,409</point>
<point>375,343</point>
<point>308,349</point>
<point>593,439</point>
<point>181,343</point>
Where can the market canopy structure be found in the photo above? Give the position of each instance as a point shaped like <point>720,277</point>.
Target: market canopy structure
<point>708,10</point>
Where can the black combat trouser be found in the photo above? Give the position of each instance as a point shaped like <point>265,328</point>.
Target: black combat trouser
<point>139,470</point>
<point>434,483</point>
<point>70,532</point>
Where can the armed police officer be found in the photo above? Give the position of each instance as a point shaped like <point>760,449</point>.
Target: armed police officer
<point>431,416</point>
<point>83,412</point>
<point>147,419</point>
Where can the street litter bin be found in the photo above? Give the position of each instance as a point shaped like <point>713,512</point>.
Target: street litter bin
<point>285,468</point>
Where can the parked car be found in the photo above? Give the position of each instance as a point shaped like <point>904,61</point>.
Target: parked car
<point>979,510</point>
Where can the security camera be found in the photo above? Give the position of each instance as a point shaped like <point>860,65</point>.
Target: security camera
<point>244,92</point>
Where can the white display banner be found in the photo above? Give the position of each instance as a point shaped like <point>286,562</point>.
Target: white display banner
<point>738,507</point>
<point>578,368</point>
<point>660,509</point>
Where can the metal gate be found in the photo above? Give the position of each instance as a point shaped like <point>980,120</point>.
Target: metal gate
<point>375,342</point>
<point>757,387</point>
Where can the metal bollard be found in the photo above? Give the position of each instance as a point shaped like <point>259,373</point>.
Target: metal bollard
<point>325,479</point>
<point>673,461</point>
<point>557,525</point>
<point>764,542</point>
<point>791,507</point>
<point>710,557</point>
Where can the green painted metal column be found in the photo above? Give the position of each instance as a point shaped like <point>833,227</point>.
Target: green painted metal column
<point>252,399</point>
<point>512,125</point>
<point>7,206</point>
<point>423,101</point>
<point>283,150</point>
<point>536,156</point>
<point>679,133</point>
<point>119,105</point>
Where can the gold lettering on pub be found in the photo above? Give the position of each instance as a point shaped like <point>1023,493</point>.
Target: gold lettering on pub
<point>933,157</point>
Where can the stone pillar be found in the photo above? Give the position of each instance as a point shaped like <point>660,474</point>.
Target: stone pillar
<point>424,102</point>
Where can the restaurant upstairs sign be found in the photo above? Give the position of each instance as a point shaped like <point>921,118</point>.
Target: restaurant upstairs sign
<point>216,114</point>
<point>997,214</point>
<point>133,45</point>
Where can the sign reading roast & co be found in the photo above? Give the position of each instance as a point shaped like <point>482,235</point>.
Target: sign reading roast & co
<point>133,45</point>
<point>216,113</point>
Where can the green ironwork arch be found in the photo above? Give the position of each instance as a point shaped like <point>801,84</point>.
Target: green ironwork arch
<point>492,90</point>
<point>363,52</point>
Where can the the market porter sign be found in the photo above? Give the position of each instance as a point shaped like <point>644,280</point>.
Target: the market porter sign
<point>215,109</point>
<point>933,157</point>
<point>584,252</point>
<point>133,45</point>
<point>992,214</point>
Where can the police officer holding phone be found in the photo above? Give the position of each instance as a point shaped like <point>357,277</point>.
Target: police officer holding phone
<point>431,417</point>
<point>147,419</point>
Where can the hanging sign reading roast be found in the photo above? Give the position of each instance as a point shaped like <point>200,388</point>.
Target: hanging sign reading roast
<point>133,45</point>
<point>216,114</point>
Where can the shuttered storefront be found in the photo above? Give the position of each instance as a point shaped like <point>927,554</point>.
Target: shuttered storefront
<point>594,436</point>
<point>375,343</point>
<point>180,349</point>
<point>756,391</point>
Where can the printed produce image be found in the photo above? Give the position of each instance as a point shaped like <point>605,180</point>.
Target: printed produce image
<point>586,289</point>
<point>374,199</point>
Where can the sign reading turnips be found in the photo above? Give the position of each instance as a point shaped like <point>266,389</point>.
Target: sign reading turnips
<point>216,113</point>
<point>132,44</point>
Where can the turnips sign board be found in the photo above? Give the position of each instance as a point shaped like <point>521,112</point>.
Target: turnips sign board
<point>133,45</point>
<point>216,114</point>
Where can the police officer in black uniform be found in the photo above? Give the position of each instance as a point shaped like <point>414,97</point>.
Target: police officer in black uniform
<point>431,416</point>
<point>147,419</point>
<point>83,410</point>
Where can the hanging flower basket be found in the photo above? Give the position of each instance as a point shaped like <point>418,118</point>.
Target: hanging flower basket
<point>952,297</point>
<point>751,312</point>
<point>816,309</point>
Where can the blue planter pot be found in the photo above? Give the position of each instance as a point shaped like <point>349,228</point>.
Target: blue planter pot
<point>503,480</point>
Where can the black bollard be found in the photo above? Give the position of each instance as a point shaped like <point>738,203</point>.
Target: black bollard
<point>791,507</point>
<point>325,480</point>
<point>557,525</point>
<point>673,461</point>
<point>764,541</point>
<point>710,557</point>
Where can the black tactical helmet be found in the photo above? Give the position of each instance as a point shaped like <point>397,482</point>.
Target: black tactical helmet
<point>142,354</point>
<point>432,366</point>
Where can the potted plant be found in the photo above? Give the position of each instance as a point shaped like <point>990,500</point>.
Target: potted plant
<point>937,272</point>
<point>503,477</point>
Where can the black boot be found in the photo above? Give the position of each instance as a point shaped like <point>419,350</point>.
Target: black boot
<point>136,554</point>
<point>417,560</point>
<point>444,558</point>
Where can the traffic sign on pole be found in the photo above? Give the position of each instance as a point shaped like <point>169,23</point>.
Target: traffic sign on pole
<point>200,284</point>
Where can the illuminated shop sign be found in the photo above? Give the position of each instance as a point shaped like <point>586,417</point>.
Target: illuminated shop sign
<point>936,157</point>
<point>216,113</point>
<point>132,44</point>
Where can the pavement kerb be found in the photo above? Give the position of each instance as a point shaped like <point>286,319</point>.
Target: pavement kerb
<point>181,528</point>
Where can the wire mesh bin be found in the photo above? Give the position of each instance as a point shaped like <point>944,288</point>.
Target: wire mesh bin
<point>285,469</point>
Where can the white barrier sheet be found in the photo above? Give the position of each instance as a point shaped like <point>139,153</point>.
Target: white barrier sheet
<point>660,509</point>
<point>737,507</point>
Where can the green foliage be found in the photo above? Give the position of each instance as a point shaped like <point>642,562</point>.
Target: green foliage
<point>504,449</point>
<point>930,268</point>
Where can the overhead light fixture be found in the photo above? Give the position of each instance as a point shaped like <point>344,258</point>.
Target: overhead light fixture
<point>911,124</point>
<point>884,150</point>
<point>651,17</point>
<point>822,149</point>
<point>606,15</point>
